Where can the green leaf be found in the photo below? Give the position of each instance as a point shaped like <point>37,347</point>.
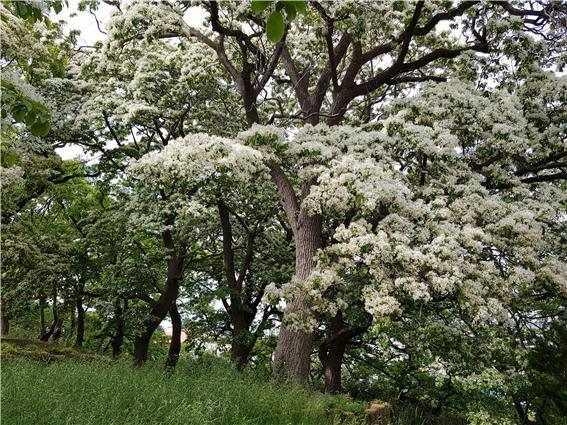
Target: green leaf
<point>300,6</point>
<point>19,112</point>
<point>57,6</point>
<point>258,6</point>
<point>275,26</point>
<point>21,10</point>
<point>31,117</point>
<point>290,10</point>
<point>40,128</point>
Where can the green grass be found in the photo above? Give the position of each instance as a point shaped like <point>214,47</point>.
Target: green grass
<point>97,392</point>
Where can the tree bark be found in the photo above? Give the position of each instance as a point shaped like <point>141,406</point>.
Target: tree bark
<point>142,342</point>
<point>242,340</point>
<point>240,353</point>
<point>80,337</point>
<point>250,109</point>
<point>332,365</point>
<point>54,331</point>
<point>159,310</point>
<point>4,325</point>
<point>175,343</point>
<point>242,309</point>
<point>42,318</point>
<point>4,320</point>
<point>331,353</point>
<point>118,337</point>
<point>292,358</point>
<point>57,330</point>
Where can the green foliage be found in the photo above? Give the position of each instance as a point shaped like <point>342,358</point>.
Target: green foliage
<point>276,22</point>
<point>33,50</point>
<point>275,26</point>
<point>259,6</point>
<point>24,109</point>
<point>29,11</point>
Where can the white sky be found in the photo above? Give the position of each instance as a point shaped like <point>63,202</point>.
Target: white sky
<point>84,21</point>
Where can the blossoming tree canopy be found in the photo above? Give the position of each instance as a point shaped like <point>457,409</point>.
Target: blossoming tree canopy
<point>382,184</point>
<point>196,159</point>
<point>189,176</point>
<point>330,54</point>
<point>33,50</point>
<point>425,227</point>
<point>397,228</point>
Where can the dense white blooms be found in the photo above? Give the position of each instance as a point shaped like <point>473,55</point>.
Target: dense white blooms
<point>412,236</point>
<point>10,176</point>
<point>412,219</point>
<point>197,159</point>
<point>356,183</point>
<point>151,18</point>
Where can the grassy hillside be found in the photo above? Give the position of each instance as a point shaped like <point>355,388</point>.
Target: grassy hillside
<point>99,392</point>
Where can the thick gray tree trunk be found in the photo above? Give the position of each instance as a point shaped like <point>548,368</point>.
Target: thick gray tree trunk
<point>292,358</point>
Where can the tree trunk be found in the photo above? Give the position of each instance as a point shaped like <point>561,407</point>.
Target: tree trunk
<point>72,319</point>
<point>522,411</point>
<point>57,326</point>
<point>142,343</point>
<point>292,358</point>
<point>42,318</point>
<point>4,320</point>
<point>57,330</point>
<point>54,331</point>
<point>331,353</point>
<point>241,310</point>
<point>4,325</point>
<point>251,111</point>
<point>242,340</point>
<point>332,367</point>
<point>118,337</point>
<point>332,350</point>
<point>240,353</point>
<point>80,337</point>
<point>175,343</point>
<point>159,310</point>
<point>339,107</point>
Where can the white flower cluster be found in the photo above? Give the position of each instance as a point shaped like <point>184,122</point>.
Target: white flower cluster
<point>355,183</point>
<point>268,139</point>
<point>197,159</point>
<point>10,176</point>
<point>145,17</point>
<point>411,240</point>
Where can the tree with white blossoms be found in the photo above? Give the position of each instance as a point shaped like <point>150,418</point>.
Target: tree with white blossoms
<point>434,206</point>
<point>358,52</point>
<point>362,52</point>
<point>173,179</point>
<point>406,215</point>
<point>33,50</point>
<point>120,110</point>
